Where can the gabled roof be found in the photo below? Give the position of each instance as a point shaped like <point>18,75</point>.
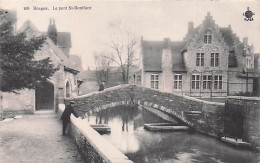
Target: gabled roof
<point>152,55</point>
<point>32,31</point>
<point>177,57</point>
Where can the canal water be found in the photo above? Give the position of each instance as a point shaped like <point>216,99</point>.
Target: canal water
<point>142,146</point>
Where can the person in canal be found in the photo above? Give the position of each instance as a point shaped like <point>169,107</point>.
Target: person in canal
<point>65,117</point>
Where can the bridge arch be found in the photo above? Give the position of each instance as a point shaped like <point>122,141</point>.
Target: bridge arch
<point>141,104</point>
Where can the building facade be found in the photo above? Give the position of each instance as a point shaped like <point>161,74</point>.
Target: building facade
<point>209,62</point>
<point>63,84</point>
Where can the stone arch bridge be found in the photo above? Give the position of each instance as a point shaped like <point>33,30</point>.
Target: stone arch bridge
<point>210,118</point>
<point>202,116</point>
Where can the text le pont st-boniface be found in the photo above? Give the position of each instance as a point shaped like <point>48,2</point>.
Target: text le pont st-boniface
<point>72,8</point>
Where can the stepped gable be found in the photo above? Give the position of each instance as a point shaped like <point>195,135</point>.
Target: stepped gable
<point>152,50</point>
<point>229,37</point>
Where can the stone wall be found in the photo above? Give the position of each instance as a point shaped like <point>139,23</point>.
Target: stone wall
<point>93,147</point>
<point>21,103</point>
<point>251,111</point>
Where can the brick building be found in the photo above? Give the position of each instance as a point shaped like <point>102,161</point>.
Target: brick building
<point>210,61</point>
<point>62,84</point>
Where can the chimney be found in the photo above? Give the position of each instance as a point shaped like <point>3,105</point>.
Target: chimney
<point>190,27</point>
<point>166,66</point>
<point>245,40</point>
<point>52,31</point>
<point>166,43</point>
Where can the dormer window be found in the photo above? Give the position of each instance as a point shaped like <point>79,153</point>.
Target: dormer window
<point>208,37</point>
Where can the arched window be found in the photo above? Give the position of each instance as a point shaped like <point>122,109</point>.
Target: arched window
<point>68,89</point>
<point>208,37</point>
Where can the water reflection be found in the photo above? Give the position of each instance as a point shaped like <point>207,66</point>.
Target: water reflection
<point>141,146</point>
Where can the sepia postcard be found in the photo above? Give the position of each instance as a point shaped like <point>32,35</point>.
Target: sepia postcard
<point>130,81</point>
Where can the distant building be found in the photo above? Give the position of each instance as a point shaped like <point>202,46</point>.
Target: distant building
<point>93,78</point>
<point>62,84</point>
<point>209,62</point>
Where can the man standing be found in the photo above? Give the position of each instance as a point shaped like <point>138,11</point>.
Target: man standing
<point>66,116</point>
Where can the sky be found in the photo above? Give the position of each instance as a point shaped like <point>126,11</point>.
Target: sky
<point>154,20</point>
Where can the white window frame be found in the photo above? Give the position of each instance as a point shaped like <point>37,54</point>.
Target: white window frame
<point>206,81</point>
<point>208,37</point>
<point>177,81</point>
<point>196,81</point>
<point>154,80</point>
<point>218,82</point>
<point>214,59</point>
<point>200,59</point>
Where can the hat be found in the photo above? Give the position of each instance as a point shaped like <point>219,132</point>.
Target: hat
<point>72,102</point>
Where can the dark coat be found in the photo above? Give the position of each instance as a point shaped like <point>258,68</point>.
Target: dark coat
<point>67,112</point>
<point>101,87</point>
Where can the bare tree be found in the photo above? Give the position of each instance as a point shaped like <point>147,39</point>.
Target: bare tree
<point>124,46</point>
<point>102,66</point>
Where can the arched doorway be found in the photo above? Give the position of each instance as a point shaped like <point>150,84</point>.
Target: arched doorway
<point>68,89</point>
<point>44,96</point>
